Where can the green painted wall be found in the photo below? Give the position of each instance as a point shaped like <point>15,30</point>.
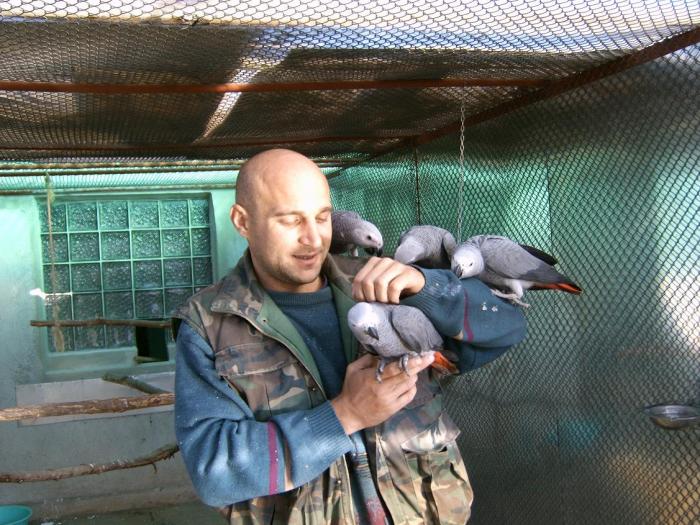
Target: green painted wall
<point>23,360</point>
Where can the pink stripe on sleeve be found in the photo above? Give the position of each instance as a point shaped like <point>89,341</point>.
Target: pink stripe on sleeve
<point>274,456</point>
<point>467,328</point>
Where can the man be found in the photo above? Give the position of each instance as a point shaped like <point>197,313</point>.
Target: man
<point>277,418</point>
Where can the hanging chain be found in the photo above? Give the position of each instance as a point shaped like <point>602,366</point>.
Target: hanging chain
<point>417,177</point>
<point>58,339</point>
<point>460,192</point>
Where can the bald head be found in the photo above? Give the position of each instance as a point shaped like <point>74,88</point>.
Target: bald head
<point>283,208</point>
<point>269,168</point>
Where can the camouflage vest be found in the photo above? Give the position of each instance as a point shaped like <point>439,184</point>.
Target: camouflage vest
<point>419,472</point>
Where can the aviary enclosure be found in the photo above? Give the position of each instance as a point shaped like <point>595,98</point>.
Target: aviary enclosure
<point>572,126</point>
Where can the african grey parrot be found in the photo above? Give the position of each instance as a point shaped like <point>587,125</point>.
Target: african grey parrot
<point>508,267</point>
<point>427,246</point>
<point>351,232</point>
<point>394,331</point>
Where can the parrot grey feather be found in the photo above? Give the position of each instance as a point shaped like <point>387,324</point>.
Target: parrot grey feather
<point>346,215</point>
<point>370,324</point>
<point>540,254</point>
<point>449,243</point>
<point>415,329</point>
<point>351,232</point>
<point>507,267</point>
<point>507,258</point>
<point>393,331</point>
<point>427,246</point>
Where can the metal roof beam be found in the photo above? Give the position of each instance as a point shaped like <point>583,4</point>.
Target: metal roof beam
<point>125,89</point>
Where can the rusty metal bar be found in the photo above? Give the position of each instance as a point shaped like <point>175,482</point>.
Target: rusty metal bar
<point>213,164</point>
<point>554,88</point>
<point>6,173</point>
<point>131,170</point>
<point>124,89</point>
<point>267,142</point>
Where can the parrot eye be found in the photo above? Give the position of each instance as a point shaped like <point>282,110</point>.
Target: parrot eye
<point>372,332</point>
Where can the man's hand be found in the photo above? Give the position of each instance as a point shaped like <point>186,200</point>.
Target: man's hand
<point>385,280</point>
<point>363,402</point>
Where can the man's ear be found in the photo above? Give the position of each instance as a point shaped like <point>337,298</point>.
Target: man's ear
<point>239,218</point>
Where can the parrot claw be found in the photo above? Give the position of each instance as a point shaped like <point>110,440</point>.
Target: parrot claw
<point>512,297</point>
<point>380,370</point>
<point>403,364</point>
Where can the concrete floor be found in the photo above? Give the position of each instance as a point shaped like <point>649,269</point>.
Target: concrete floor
<point>185,514</point>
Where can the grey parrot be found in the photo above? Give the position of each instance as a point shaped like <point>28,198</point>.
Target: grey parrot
<point>351,232</point>
<point>509,268</point>
<point>427,246</point>
<point>394,332</point>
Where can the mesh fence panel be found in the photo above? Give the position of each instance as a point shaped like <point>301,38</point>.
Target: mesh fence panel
<point>156,44</point>
<point>606,178</point>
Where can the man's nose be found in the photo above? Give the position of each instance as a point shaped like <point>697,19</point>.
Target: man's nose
<point>311,235</point>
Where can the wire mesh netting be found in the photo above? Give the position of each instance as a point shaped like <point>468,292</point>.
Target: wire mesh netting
<point>66,66</point>
<point>603,176</point>
<point>606,178</point>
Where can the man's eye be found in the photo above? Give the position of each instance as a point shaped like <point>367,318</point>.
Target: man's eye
<point>323,218</point>
<point>289,221</point>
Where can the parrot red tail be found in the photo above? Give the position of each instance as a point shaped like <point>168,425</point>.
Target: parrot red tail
<point>564,287</point>
<point>444,365</point>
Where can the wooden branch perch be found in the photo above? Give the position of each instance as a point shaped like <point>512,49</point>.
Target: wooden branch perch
<point>132,382</point>
<point>97,406</point>
<point>162,453</point>
<point>102,321</point>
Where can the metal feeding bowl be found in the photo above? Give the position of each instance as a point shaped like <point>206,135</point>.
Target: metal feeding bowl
<point>673,416</point>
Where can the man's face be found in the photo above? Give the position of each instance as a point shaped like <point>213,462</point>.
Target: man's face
<point>289,228</point>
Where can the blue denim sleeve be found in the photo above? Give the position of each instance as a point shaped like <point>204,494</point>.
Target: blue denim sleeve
<point>229,455</point>
<point>477,325</point>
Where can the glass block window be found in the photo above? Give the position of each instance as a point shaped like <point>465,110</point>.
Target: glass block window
<point>123,259</point>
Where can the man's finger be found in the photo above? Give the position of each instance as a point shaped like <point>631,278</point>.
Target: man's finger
<point>415,365</point>
<point>396,384</point>
<point>397,285</point>
<point>365,361</point>
<point>369,265</point>
<point>383,281</point>
<point>409,279</point>
<point>369,283</point>
<point>364,284</point>
<point>358,283</point>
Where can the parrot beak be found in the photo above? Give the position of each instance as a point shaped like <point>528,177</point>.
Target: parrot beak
<point>372,332</point>
<point>374,251</point>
